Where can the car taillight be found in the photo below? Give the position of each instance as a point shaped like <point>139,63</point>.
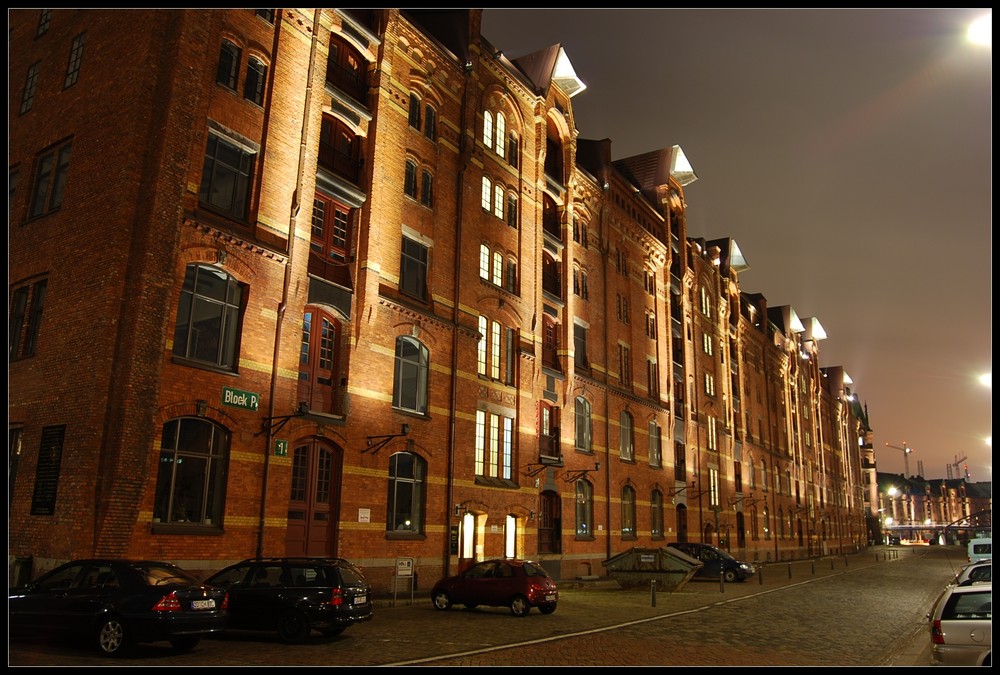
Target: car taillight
<point>168,603</point>
<point>337,598</point>
<point>937,635</point>
<point>225,601</point>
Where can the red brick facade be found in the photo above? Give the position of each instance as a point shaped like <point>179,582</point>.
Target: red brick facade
<point>394,429</point>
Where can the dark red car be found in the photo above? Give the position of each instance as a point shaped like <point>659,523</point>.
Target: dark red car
<point>518,584</point>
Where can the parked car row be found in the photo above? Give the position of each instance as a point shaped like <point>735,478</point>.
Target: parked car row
<point>115,604</point>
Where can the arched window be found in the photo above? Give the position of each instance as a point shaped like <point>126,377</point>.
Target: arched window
<point>625,436</point>
<point>487,128</point>
<point>583,430</point>
<point>628,511</point>
<point>209,317</point>
<point>192,475</point>
<point>405,503</point>
<point>410,377</point>
<point>501,134</point>
<point>655,439</point>
<point>656,514</point>
<point>584,509</point>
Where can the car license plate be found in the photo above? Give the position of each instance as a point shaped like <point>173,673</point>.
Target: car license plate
<point>360,599</point>
<point>550,598</point>
<point>203,604</point>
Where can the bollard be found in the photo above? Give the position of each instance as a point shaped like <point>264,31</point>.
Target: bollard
<point>813,567</point>
<point>652,592</point>
<point>831,563</point>
<point>760,575</point>
<point>789,569</point>
<point>845,561</point>
<point>722,581</point>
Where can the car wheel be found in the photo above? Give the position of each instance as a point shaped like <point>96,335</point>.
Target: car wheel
<point>186,643</point>
<point>112,638</point>
<point>293,627</point>
<point>519,606</point>
<point>441,600</point>
<point>547,609</point>
<point>729,576</point>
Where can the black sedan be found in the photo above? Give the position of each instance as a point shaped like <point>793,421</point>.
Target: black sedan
<point>115,604</point>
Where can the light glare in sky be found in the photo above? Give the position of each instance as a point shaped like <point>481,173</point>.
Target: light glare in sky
<point>981,31</point>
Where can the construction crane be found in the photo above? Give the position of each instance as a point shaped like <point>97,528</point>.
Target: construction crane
<point>906,456</point>
<point>954,469</point>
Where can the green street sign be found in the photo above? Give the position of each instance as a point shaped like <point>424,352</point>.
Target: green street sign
<point>237,398</point>
<point>280,448</point>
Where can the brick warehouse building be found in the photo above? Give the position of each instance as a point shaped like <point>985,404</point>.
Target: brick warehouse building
<point>354,286</point>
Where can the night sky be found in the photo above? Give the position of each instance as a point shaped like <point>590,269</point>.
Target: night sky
<point>848,152</point>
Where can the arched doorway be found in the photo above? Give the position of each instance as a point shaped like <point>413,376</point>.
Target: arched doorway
<point>314,504</point>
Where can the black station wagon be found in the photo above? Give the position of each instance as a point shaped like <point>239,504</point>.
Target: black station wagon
<point>295,596</point>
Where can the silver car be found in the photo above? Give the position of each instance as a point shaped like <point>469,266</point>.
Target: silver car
<point>961,626</point>
<point>974,573</point>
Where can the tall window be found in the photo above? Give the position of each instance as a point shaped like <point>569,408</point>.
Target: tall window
<point>426,188</point>
<point>253,88</point>
<point>319,361</point>
<point>50,181</point>
<point>655,443</point>
<point>226,176</point>
<point>192,476</point>
<point>494,445</point>
<point>548,432</point>
<point>30,86</point>
<point>713,437</point>
<point>229,63</point>
<point>405,502</point>
<point>482,349</point>
<point>24,323</point>
<point>414,115</point>
<point>656,514</point>
<point>413,269</point>
<point>44,18</point>
<point>430,122</point>
<point>580,346</point>
<point>488,128</point>
<point>329,235</point>
<point>584,509</point>
<point>209,317</point>
<point>625,436</point>
<point>713,487</point>
<point>410,375</point>
<point>624,366</point>
<point>583,429</point>
<point>410,179</point>
<point>512,210</point>
<point>628,511</point>
<point>680,462</point>
<point>75,59</point>
<point>487,193</point>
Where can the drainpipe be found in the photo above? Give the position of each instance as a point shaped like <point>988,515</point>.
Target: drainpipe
<point>465,155</point>
<point>607,381</point>
<point>293,220</point>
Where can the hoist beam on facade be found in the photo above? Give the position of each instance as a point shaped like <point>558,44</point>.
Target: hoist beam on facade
<point>577,474</point>
<point>376,443</point>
